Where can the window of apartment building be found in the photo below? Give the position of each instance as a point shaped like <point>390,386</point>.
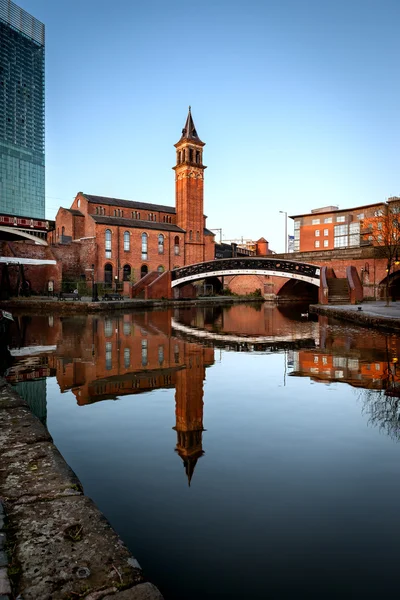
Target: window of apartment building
<point>296,246</point>
<point>315,222</point>
<point>380,225</point>
<point>127,241</point>
<point>297,224</point>
<point>317,233</point>
<point>160,244</point>
<point>354,234</point>
<point>108,243</point>
<point>341,237</point>
<point>144,246</point>
<point>326,231</point>
<point>127,357</point>
<point>160,269</point>
<point>328,220</point>
<point>176,245</point>
<point>378,213</point>
<point>341,219</point>
<point>316,244</point>
<point>360,216</point>
<point>326,243</point>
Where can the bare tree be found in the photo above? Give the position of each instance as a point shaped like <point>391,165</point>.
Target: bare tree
<point>383,230</point>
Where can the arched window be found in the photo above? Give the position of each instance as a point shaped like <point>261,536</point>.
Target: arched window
<point>126,273</point>
<point>127,357</point>
<point>144,353</point>
<point>160,355</point>
<point>127,241</point>
<point>176,246</point>
<point>108,273</point>
<point>143,270</point>
<point>160,244</point>
<point>144,246</point>
<point>190,235</point>
<point>79,202</point>
<point>108,243</point>
<point>160,269</point>
<point>197,236</point>
<point>62,231</point>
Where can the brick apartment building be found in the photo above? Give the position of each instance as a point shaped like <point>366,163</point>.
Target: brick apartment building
<point>329,228</point>
<point>125,239</point>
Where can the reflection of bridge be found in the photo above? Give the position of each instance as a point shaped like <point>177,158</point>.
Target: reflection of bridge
<point>247,266</point>
<point>312,337</point>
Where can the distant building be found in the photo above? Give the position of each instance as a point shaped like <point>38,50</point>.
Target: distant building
<point>22,76</point>
<point>242,247</point>
<point>329,228</point>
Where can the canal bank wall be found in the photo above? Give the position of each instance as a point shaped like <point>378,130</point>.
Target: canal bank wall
<point>55,544</point>
<point>47,305</point>
<point>373,314</point>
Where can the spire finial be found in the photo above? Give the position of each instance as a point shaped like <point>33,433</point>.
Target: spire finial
<point>190,108</point>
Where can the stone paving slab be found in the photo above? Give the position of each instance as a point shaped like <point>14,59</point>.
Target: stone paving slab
<point>36,472</point>
<point>66,546</point>
<point>9,398</point>
<point>19,427</point>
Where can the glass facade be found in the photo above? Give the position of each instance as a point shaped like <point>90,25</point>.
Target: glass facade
<point>22,157</point>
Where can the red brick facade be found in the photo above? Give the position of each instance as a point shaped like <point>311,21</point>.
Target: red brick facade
<point>130,239</point>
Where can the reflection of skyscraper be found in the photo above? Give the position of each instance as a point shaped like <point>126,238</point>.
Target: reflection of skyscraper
<point>34,392</point>
<point>21,112</point>
<point>189,409</point>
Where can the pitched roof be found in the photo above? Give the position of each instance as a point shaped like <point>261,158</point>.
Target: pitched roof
<point>208,232</point>
<point>136,223</point>
<point>189,132</point>
<point>76,213</point>
<point>129,204</point>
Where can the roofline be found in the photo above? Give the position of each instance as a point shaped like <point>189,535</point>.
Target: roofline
<point>339,210</point>
<point>146,205</point>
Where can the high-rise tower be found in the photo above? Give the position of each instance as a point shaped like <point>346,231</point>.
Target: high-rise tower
<point>22,160</point>
<point>189,186</point>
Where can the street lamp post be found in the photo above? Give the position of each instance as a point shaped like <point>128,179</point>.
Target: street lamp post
<point>116,283</point>
<point>285,213</point>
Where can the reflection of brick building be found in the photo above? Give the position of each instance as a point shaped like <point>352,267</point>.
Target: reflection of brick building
<point>126,240</point>
<point>131,354</point>
<point>358,360</point>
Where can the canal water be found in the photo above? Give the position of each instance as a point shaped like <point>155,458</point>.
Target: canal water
<point>240,452</point>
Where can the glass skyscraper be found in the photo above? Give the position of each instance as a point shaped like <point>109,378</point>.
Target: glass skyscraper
<point>22,158</point>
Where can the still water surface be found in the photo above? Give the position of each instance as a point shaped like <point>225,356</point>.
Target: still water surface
<point>239,452</point>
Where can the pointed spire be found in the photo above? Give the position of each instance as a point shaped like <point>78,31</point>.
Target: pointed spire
<point>189,131</point>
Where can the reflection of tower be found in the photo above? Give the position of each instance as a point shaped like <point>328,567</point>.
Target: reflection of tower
<point>189,409</point>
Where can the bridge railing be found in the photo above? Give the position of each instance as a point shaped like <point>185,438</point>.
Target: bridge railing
<point>233,264</point>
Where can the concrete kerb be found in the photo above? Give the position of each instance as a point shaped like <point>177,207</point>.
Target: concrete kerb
<point>61,545</point>
<point>371,314</point>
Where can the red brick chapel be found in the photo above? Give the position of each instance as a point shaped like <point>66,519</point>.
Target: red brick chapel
<point>125,239</point>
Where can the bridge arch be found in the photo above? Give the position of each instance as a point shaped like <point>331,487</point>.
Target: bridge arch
<point>276,267</point>
<point>19,233</point>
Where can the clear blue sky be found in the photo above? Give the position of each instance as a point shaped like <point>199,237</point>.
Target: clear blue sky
<point>297,101</point>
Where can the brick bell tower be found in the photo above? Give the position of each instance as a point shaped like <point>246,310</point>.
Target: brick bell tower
<point>189,190</point>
